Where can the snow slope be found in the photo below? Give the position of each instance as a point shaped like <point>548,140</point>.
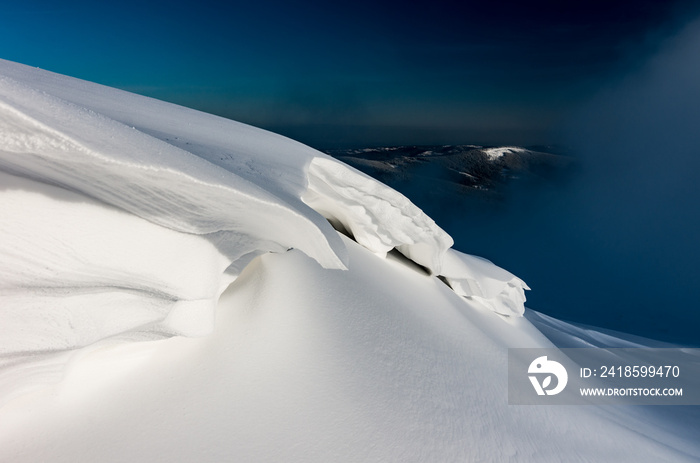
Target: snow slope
<point>228,184</point>
<point>265,334</point>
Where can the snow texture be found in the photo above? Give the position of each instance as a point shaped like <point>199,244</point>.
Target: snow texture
<point>231,189</point>
<point>377,217</point>
<point>479,279</point>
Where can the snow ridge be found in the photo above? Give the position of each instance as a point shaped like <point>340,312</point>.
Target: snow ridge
<point>199,195</point>
<point>378,217</point>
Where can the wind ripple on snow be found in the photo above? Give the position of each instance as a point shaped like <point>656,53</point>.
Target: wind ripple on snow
<point>378,217</point>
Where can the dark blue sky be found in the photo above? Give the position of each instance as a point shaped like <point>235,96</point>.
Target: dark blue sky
<point>354,73</point>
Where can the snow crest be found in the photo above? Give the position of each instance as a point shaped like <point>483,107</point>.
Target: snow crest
<point>105,215</point>
<point>480,280</point>
<point>149,211</point>
<point>378,217</point>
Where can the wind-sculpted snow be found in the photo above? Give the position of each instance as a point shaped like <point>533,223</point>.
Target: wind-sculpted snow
<point>479,279</point>
<point>75,271</point>
<point>377,217</point>
<point>55,141</point>
<point>197,213</point>
<point>106,189</point>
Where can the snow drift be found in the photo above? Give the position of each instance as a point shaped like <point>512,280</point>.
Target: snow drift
<point>129,219</point>
<point>223,191</point>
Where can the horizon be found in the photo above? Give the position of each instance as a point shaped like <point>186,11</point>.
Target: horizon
<point>374,74</point>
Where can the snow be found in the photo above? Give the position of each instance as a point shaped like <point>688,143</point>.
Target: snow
<point>173,289</point>
<point>479,279</point>
<point>378,217</point>
<point>495,153</point>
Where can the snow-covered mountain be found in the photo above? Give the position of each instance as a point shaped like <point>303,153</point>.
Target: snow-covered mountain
<point>457,169</point>
<point>175,286</point>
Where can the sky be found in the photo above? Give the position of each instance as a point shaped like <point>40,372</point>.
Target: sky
<point>350,74</point>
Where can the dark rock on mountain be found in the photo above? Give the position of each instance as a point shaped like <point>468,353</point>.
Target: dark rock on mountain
<point>457,169</point>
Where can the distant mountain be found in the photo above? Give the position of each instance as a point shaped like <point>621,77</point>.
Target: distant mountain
<point>465,169</point>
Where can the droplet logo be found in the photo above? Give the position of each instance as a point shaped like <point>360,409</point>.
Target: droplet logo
<point>541,367</point>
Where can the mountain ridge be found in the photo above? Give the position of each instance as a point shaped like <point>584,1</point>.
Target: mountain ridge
<point>462,169</point>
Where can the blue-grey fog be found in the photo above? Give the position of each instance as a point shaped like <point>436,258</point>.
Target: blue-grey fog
<point>614,241</point>
<point>634,223</point>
